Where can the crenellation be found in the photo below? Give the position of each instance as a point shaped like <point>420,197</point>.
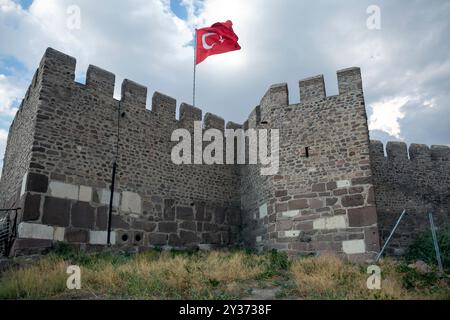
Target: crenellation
<point>134,94</point>
<point>101,81</point>
<point>276,95</point>
<point>57,67</point>
<point>312,88</point>
<point>376,149</point>
<point>440,153</point>
<point>396,151</point>
<point>349,80</point>
<point>212,121</point>
<point>164,106</point>
<point>189,114</point>
<point>419,152</point>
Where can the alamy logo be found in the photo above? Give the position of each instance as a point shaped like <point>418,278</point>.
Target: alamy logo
<point>187,151</point>
<point>74,280</point>
<point>374,280</point>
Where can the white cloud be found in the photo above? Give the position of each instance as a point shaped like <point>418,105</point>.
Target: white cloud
<point>386,115</point>
<point>10,94</point>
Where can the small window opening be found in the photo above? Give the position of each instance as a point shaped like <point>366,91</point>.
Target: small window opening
<point>124,237</point>
<point>307,152</point>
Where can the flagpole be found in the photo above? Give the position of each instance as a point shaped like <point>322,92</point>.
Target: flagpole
<point>195,67</point>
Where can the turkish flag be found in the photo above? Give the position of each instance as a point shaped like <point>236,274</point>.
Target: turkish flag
<point>219,38</point>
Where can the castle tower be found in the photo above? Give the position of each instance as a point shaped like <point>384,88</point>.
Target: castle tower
<point>322,199</point>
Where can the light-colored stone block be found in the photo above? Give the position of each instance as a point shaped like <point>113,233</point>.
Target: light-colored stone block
<point>335,222</point>
<point>58,234</point>
<point>343,183</point>
<point>263,211</point>
<point>105,194</point>
<point>35,231</point>
<point>353,246</point>
<point>85,194</point>
<point>290,214</point>
<point>131,202</point>
<point>101,237</point>
<point>259,239</point>
<point>63,190</point>
<point>24,184</point>
<point>290,234</point>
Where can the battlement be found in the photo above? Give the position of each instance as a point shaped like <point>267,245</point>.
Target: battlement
<point>399,152</point>
<point>59,68</point>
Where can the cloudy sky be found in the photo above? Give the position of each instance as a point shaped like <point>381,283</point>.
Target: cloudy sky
<point>405,63</point>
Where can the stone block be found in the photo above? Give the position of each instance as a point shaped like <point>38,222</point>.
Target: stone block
<point>352,200</point>
<point>23,186</point>
<point>289,234</point>
<point>263,211</point>
<point>85,194</point>
<point>188,237</point>
<point>318,187</point>
<point>157,239</point>
<point>118,222</point>
<point>82,215</point>
<point>298,204</point>
<point>174,240</point>
<point>360,217</point>
<point>56,212</point>
<point>101,222</point>
<point>353,246</point>
<point>169,210</point>
<point>101,237</point>
<point>63,190</point>
<point>104,196</point>
<point>328,223</point>
<point>315,203</point>
<point>36,182</point>
<point>188,225</point>
<point>167,227</point>
<point>131,202</point>
<point>35,231</point>
<point>185,213</point>
<point>59,234</point>
<point>77,235</point>
<point>343,183</point>
<point>281,207</point>
<point>148,226</point>
<point>31,207</point>
<point>124,237</point>
<point>290,213</point>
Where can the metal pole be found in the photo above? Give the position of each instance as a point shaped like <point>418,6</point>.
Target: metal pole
<point>195,67</point>
<point>435,242</point>
<point>113,178</point>
<point>390,236</point>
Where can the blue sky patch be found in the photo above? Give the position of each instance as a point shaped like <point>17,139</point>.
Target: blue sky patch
<point>178,9</point>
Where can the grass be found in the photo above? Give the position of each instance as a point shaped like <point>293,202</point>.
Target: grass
<point>212,275</point>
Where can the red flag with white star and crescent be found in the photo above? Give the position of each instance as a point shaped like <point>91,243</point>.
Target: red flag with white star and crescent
<point>219,38</point>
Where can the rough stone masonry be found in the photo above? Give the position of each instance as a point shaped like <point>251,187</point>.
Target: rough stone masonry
<point>335,190</point>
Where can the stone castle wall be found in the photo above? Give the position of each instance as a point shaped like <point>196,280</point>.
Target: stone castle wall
<point>330,185</point>
<point>417,180</point>
<point>72,128</point>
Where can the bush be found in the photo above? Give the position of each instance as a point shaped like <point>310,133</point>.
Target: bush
<point>423,249</point>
